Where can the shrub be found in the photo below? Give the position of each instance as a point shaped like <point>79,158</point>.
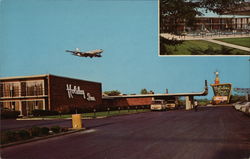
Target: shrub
<point>7,114</point>
<point>64,129</point>
<point>44,112</point>
<point>23,134</point>
<point>8,136</point>
<point>18,135</point>
<point>44,131</point>
<point>55,129</point>
<point>35,131</point>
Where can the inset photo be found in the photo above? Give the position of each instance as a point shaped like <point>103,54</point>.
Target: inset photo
<point>202,28</point>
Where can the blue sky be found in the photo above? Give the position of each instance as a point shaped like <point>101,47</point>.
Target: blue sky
<point>34,35</point>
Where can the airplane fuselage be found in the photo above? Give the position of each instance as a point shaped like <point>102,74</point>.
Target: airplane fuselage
<point>91,54</point>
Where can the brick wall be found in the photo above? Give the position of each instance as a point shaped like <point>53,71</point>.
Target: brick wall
<point>60,100</point>
<point>125,102</point>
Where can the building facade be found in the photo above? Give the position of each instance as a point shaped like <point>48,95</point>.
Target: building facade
<point>210,24</point>
<point>48,92</point>
<point>222,23</point>
<point>127,102</point>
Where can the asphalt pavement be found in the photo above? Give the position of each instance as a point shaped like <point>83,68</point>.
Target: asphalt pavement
<point>209,133</point>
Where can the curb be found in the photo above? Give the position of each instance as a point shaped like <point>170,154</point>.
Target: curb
<point>58,118</point>
<point>41,118</point>
<point>86,118</point>
<point>71,131</point>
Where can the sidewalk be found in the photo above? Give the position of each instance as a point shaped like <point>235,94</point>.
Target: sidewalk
<point>228,44</point>
<point>207,37</point>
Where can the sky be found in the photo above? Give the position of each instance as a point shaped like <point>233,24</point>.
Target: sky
<point>34,35</point>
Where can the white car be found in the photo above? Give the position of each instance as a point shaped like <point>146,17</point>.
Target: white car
<point>245,107</point>
<point>239,105</point>
<point>158,105</point>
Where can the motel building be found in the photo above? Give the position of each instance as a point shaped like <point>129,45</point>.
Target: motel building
<point>48,92</point>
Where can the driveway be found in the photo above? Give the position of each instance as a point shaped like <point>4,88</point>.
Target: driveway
<point>210,133</point>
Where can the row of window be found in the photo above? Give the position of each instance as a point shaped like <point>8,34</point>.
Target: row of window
<point>210,20</point>
<point>25,106</point>
<point>25,88</point>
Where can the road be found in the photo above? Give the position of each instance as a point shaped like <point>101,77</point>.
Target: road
<point>210,133</point>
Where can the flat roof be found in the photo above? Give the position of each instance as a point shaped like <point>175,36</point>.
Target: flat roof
<point>23,77</point>
<point>41,76</point>
<point>221,84</point>
<point>157,95</point>
<point>203,93</point>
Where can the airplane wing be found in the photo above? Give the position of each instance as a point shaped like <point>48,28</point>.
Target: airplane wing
<point>70,51</point>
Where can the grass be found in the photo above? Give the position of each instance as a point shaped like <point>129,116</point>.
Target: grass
<point>237,41</point>
<point>99,114</point>
<point>187,46</point>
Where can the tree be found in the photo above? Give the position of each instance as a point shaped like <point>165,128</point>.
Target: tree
<point>144,91</point>
<point>222,6</point>
<point>174,12</point>
<point>237,98</point>
<point>112,93</point>
<point>169,42</point>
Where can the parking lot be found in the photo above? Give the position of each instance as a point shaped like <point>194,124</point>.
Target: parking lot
<point>211,132</point>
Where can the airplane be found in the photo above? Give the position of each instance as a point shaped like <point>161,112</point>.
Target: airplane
<point>91,54</point>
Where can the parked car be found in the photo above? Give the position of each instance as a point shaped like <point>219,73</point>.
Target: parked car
<point>237,103</point>
<point>242,104</point>
<point>245,107</point>
<point>158,105</point>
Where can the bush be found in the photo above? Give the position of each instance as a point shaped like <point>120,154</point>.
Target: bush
<point>35,131</point>
<point>23,135</point>
<point>44,131</point>
<point>19,135</point>
<point>44,112</point>
<point>64,129</point>
<point>7,114</point>
<point>55,129</point>
<point>8,136</point>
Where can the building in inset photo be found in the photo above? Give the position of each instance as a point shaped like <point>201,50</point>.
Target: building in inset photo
<point>48,92</point>
<point>208,24</point>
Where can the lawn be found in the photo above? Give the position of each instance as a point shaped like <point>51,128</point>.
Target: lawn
<point>237,41</point>
<point>100,114</point>
<point>199,47</point>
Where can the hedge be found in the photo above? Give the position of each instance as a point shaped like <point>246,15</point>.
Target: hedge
<point>24,134</point>
<point>7,114</point>
<point>44,112</point>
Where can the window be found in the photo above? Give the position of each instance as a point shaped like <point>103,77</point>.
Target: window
<point>24,88</point>
<point>10,89</point>
<point>11,105</point>
<point>31,105</point>
<point>34,88</point>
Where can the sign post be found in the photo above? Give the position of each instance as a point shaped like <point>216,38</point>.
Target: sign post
<point>246,91</point>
